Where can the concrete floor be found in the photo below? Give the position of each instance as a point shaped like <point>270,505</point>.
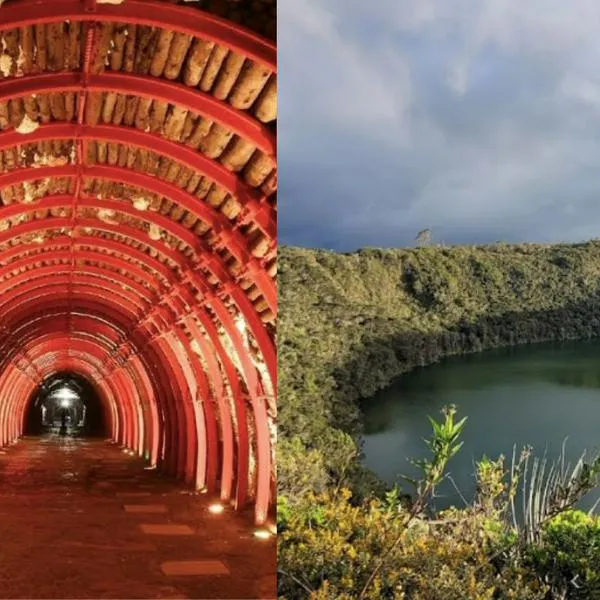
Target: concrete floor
<point>75,523</point>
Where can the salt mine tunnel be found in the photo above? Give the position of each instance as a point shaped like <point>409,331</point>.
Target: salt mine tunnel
<point>138,230</point>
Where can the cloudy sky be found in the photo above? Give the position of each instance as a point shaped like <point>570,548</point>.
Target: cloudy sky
<point>478,119</point>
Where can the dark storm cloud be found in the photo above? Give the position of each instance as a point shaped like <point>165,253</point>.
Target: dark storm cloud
<point>479,120</point>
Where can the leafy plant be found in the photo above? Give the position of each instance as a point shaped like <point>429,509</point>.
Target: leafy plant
<point>551,488</point>
<point>567,556</point>
<point>393,499</point>
<point>444,444</point>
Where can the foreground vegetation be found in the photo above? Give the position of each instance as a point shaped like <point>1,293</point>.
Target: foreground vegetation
<point>349,325</point>
<point>390,548</point>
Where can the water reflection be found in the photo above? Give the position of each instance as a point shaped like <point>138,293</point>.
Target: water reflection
<point>535,395</point>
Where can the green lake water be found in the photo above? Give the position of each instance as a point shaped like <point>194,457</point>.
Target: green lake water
<point>535,395</point>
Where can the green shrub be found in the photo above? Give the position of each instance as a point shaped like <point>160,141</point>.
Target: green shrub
<point>568,556</point>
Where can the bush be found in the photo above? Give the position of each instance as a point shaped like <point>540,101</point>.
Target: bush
<point>328,548</point>
<point>568,556</point>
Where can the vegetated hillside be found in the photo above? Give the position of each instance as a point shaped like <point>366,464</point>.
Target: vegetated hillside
<point>350,323</point>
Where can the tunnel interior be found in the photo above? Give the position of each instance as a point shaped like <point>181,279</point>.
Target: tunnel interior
<point>68,404</point>
<point>138,246</point>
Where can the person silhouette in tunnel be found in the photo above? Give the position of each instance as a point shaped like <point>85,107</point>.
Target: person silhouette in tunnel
<point>63,422</point>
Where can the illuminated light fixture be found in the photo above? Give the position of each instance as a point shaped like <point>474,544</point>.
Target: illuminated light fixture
<point>65,396</point>
<point>216,509</point>
<point>262,534</point>
<point>65,393</point>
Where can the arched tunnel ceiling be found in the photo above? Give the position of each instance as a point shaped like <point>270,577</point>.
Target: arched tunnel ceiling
<point>138,217</point>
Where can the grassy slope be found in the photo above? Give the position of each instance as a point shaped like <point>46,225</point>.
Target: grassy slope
<point>350,323</point>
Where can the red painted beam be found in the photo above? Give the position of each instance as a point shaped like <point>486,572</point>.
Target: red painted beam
<point>95,245</point>
<point>88,326</point>
<point>108,312</point>
<point>254,204</point>
<point>124,280</point>
<point>144,86</point>
<point>59,223</point>
<point>56,282</point>
<point>230,238</point>
<point>56,342</point>
<point>209,258</point>
<point>49,318</point>
<point>188,201</point>
<point>20,13</point>
<point>104,260</point>
<point>215,266</point>
<point>174,228</point>
<point>211,346</point>
<point>117,311</point>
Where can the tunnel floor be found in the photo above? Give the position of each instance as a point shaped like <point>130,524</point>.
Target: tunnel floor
<point>75,523</point>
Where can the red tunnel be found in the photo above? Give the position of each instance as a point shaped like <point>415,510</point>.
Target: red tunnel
<point>138,230</point>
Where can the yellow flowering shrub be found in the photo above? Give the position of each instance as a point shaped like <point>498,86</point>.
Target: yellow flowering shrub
<point>328,548</point>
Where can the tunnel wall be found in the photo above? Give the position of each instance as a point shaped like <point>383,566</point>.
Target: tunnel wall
<point>175,329</point>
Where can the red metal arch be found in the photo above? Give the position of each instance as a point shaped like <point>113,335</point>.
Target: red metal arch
<point>256,326</point>
<point>256,206</point>
<point>23,396</point>
<point>131,436</point>
<point>136,292</point>
<point>62,223</point>
<point>127,247</point>
<point>241,483</point>
<point>117,262</point>
<point>96,245</point>
<point>56,286</point>
<point>180,463</point>
<point>215,266</point>
<point>264,462</point>
<point>93,327</point>
<point>61,350</point>
<point>104,332</point>
<point>143,86</point>
<point>56,274</point>
<point>45,272</point>
<point>144,12</point>
<point>230,240</point>
<point>67,344</point>
<point>111,313</point>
